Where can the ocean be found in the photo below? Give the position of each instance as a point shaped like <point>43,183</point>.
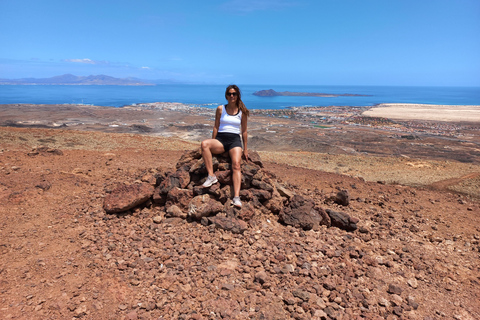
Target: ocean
<point>213,95</point>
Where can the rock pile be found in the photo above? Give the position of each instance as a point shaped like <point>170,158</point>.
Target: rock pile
<point>182,196</point>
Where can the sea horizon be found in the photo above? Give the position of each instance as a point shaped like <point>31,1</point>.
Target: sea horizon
<point>208,95</point>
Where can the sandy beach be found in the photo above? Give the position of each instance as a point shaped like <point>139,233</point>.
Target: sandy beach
<point>425,112</point>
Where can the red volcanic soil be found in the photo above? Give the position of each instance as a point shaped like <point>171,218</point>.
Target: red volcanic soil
<point>414,255</point>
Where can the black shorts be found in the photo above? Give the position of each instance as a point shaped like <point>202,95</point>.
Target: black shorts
<point>229,140</point>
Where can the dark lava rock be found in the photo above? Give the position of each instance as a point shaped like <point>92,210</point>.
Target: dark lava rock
<point>342,220</point>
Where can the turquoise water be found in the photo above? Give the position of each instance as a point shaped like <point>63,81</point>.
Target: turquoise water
<point>213,95</point>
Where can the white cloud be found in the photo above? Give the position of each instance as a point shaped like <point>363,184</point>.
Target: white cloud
<point>80,61</point>
<point>145,68</point>
<point>86,61</point>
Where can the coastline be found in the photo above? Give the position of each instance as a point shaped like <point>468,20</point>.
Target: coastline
<point>406,111</point>
<point>118,96</point>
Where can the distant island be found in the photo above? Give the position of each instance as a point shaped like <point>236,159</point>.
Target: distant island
<point>273,93</point>
<point>70,79</point>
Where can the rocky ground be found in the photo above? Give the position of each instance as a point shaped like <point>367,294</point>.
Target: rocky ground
<point>414,254</point>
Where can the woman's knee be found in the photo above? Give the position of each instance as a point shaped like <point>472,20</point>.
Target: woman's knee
<point>236,163</point>
<point>205,145</point>
<point>236,166</point>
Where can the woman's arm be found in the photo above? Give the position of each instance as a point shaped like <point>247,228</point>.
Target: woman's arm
<point>218,115</point>
<point>244,136</point>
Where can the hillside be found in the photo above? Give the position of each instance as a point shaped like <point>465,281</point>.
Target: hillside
<point>413,256</point>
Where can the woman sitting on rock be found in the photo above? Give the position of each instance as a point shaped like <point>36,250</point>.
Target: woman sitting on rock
<point>230,122</point>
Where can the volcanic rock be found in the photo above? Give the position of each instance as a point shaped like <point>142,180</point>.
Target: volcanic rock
<point>183,196</point>
<point>126,197</point>
<point>203,206</point>
<point>231,224</point>
<point>302,213</point>
<point>342,220</point>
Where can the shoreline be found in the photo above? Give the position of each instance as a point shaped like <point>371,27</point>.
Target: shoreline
<point>412,111</point>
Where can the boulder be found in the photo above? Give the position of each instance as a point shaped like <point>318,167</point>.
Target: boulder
<point>179,197</point>
<point>284,192</point>
<point>203,206</point>
<point>302,213</point>
<point>179,179</point>
<point>126,197</point>
<point>246,213</point>
<point>260,184</point>
<point>261,195</point>
<point>274,204</point>
<point>187,159</point>
<point>225,177</point>
<point>342,198</point>
<point>342,220</point>
<point>159,197</point>
<point>254,157</point>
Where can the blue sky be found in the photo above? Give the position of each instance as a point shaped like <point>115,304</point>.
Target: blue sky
<point>317,42</point>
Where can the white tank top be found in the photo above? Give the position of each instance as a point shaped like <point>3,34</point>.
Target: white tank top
<point>230,124</point>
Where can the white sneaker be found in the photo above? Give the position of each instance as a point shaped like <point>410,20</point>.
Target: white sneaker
<point>210,180</point>
<point>236,202</point>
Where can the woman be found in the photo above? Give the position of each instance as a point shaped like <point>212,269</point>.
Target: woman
<point>230,123</point>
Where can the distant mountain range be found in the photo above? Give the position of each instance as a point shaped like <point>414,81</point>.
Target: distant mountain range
<point>273,93</point>
<point>70,79</point>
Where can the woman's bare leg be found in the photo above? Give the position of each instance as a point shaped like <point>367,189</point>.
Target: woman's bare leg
<point>209,147</point>
<point>236,156</point>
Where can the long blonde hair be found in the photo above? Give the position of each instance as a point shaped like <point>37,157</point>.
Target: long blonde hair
<point>240,103</point>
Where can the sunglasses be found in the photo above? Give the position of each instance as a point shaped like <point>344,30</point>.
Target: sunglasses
<point>231,94</point>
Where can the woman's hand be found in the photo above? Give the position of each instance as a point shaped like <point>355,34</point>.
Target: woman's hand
<point>245,153</point>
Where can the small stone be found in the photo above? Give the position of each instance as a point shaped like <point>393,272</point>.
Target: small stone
<point>411,302</point>
<point>397,311</point>
<point>288,268</point>
<point>305,296</point>
<point>97,305</point>
<point>174,211</point>
<point>396,300</point>
<point>228,286</point>
<point>261,277</point>
<point>414,228</point>
<point>157,219</point>
<point>81,310</point>
<point>320,314</point>
<point>109,155</point>
<point>393,289</point>
<point>413,283</point>
<point>44,185</point>
<point>132,315</point>
<point>383,302</point>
